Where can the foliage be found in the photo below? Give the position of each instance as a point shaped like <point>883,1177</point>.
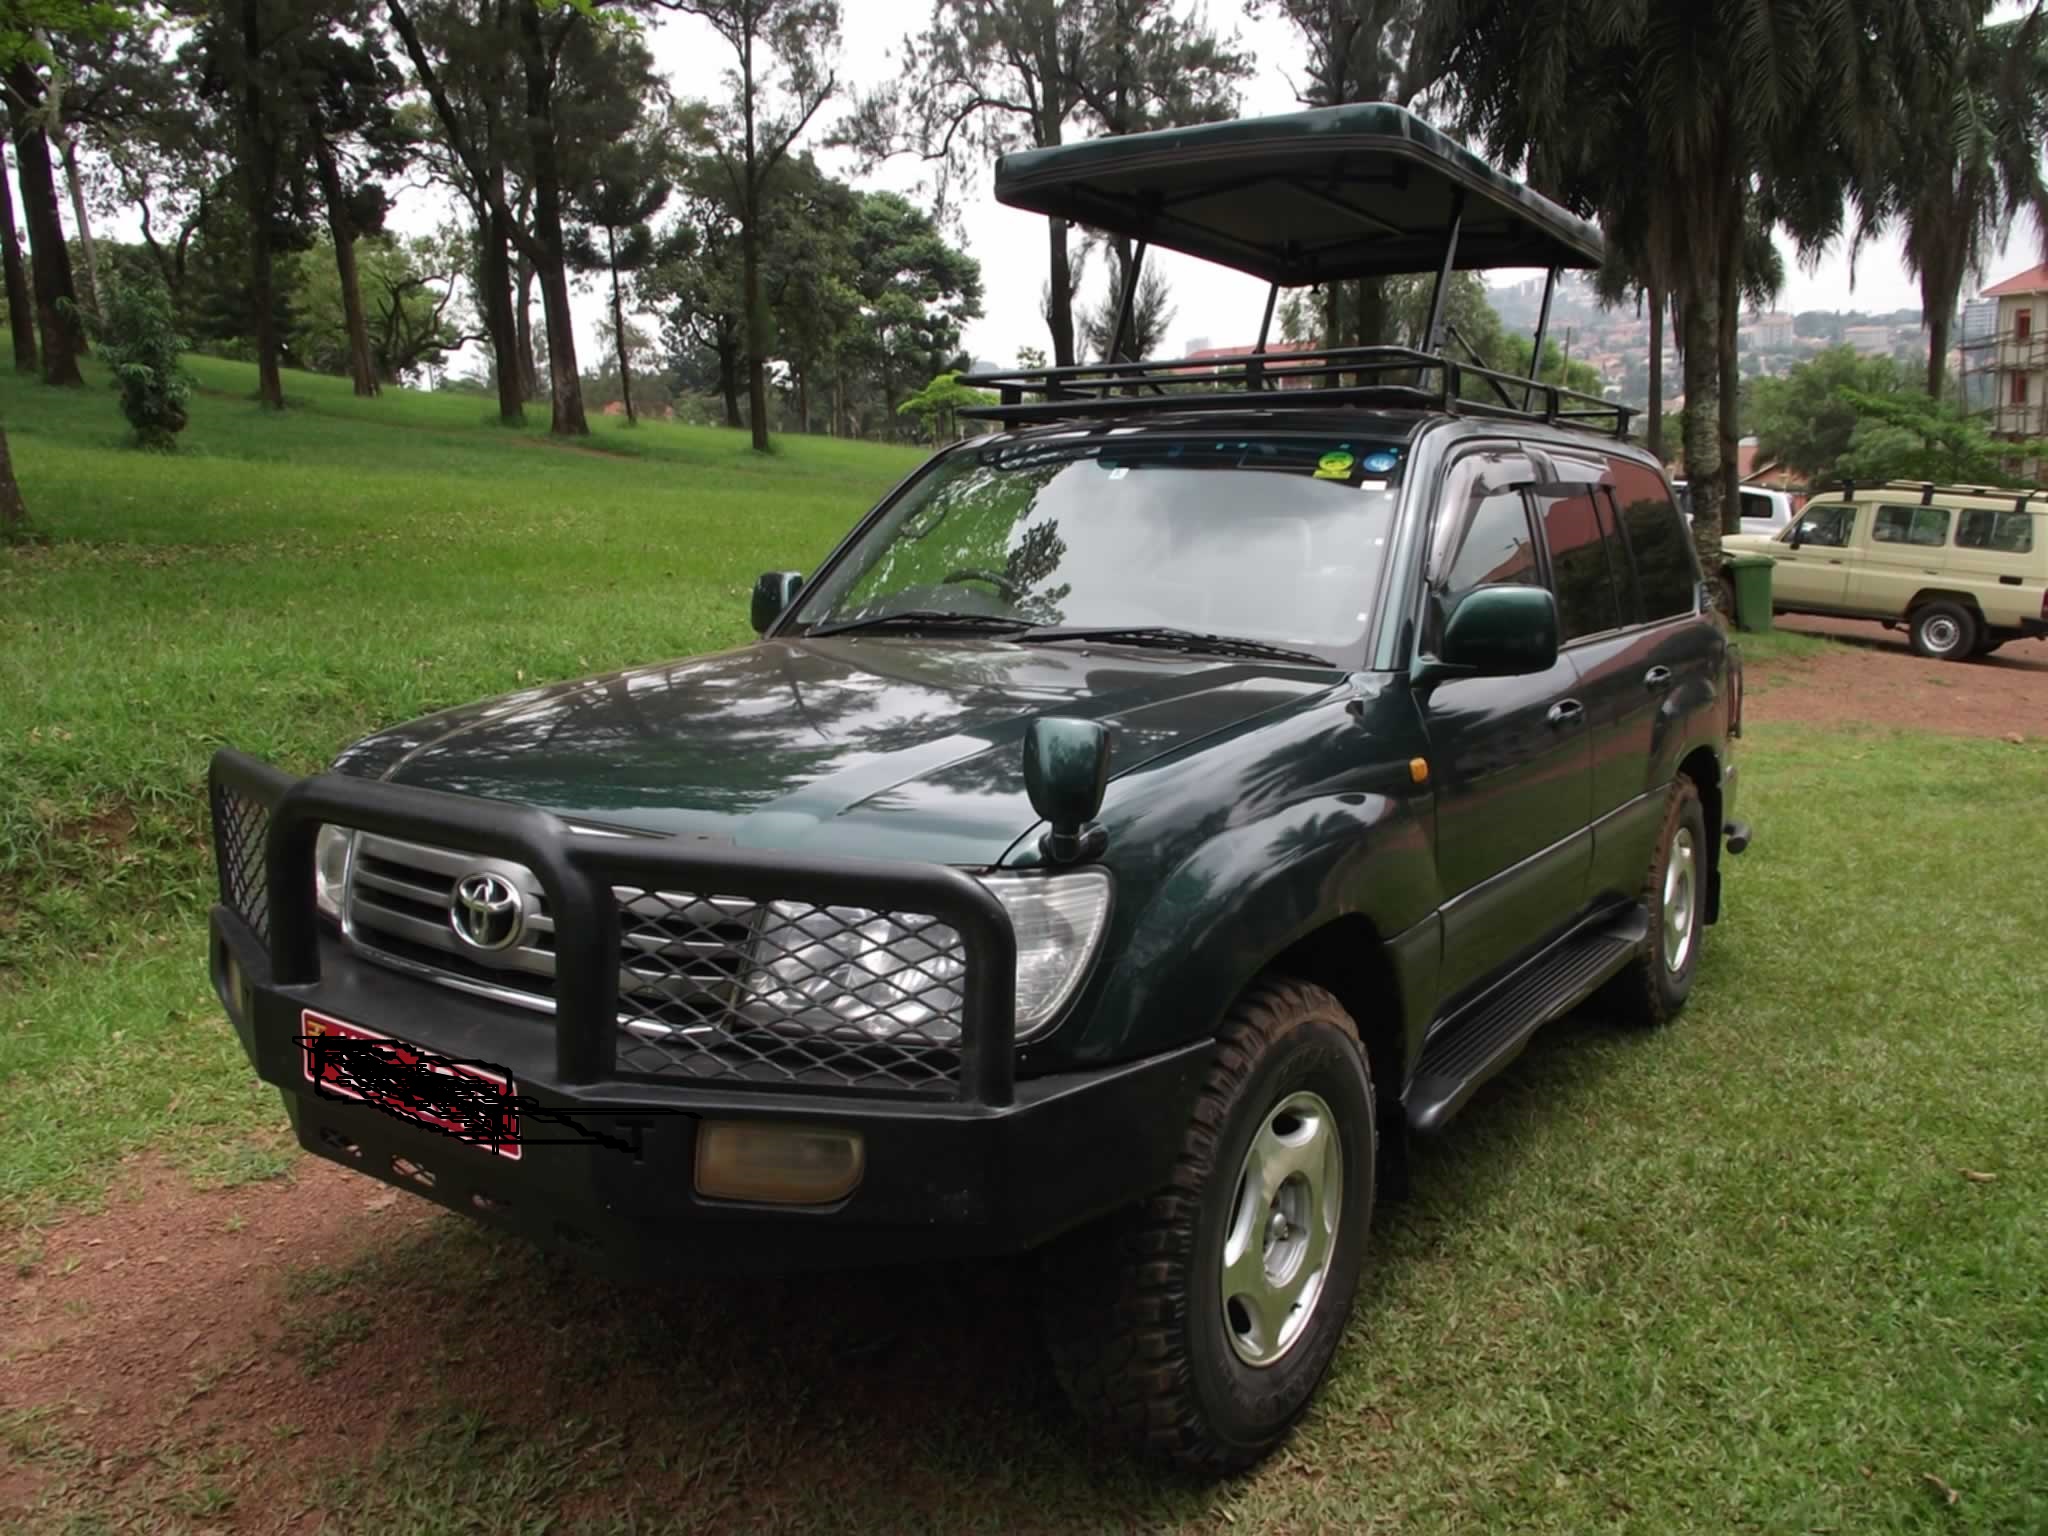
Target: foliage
<point>1151,313</point>
<point>1961,164</point>
<point>140,343</point>
<point>938,404</point>
<point>1907,436</point>
<point>409,291</point>
<point>1805,420</point>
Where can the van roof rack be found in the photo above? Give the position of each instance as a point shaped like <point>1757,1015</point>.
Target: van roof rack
<point>2022,497</point>
<point>1302,198</point>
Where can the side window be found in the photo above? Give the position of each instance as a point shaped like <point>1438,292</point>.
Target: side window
<point>1666,571</point>
<point>1617,556</point>
<point>1828,527</point>
<point>1498,548</point>
<point>1578,563</point>
<point>2005,533</point>
<point>1754,505</point>
<point>1924,526</point>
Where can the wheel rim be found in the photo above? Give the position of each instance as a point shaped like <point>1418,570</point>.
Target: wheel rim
<point>1283,1229</point>
<point>1941,634</point>
<point>1681,881</point>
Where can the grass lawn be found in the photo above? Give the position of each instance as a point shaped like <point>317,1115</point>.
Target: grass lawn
<point>1783,1267</point>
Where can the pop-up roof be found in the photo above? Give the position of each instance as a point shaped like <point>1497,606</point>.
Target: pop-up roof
<point>1307,197</point>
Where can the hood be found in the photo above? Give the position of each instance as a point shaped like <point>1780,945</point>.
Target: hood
<point>877,747</point>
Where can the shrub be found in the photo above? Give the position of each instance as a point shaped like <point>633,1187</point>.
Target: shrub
<point>141,345</point>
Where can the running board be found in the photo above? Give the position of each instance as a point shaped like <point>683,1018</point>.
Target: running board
<point>1472,1049</point>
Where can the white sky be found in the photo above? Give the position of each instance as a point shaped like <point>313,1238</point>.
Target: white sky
<point>1209,302</point>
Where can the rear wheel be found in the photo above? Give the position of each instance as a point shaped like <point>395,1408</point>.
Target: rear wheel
<point>1943,631</point>
<point>1657,982</point>
<point>1197,1325</point>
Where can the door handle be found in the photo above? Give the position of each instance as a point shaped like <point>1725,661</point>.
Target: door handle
<point>1657,678</point>
<point>1569,712</point>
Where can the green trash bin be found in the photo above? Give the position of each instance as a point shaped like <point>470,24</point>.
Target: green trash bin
<point>1749,577</point>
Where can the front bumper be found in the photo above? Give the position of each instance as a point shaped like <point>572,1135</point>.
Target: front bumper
<point>607,1158</point>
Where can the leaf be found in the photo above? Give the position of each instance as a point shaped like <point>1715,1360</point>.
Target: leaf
<point>1948,1494</point>
<point>1979,1178</point>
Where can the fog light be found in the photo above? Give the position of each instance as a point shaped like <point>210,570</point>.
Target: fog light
<point>234,986</point>
<point>750,1160</point>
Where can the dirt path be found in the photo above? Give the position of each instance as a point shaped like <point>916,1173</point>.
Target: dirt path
<point>1873,678</point>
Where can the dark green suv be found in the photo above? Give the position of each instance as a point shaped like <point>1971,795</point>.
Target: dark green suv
<point>1155,813</point>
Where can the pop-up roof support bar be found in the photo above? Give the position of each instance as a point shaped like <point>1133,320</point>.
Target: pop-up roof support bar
<point>1128,306</point>
<point>1542,335</point>
<point>1437,295</point>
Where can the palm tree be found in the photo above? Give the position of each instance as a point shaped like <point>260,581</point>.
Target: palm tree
<point>1681,123</point>
<point>1964,161</point>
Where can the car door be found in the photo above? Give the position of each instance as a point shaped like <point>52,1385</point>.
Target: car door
<point>1812,570</point>
<point>1906,549</point>
<point>1509,757</point>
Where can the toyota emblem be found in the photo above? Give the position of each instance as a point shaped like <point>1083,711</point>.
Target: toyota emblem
<point>487,911</point>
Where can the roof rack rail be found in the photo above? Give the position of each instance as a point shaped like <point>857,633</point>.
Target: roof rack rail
<point>1927,490</point>
<point>1387,377</point>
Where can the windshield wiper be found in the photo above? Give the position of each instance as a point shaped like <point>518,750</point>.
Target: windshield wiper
<point>912,621</point>
<point>1164,638</point>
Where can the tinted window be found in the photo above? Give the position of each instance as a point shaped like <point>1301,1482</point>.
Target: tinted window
<point>1829,527</point>
<point>1578,564</point>
<point>1497,549</point>
<point>1617,557</point>
<point>1667,576</point>
<point>2010,533</point>
<point>1754,505</point>
<point>1925,526</point>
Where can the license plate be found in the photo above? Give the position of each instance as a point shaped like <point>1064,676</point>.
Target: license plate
<point>468,1100</point>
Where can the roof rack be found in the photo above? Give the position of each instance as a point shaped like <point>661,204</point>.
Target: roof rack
<point>1387,377</point>
<point>1927,490</point>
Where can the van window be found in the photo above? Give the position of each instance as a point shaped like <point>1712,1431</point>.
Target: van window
<point>1827,526</point>
<point>1498,548</point>
<point>2007,533</point>
<point>1617,556</point>
<point>1923,526</point>
<point>1667,572</point>
<point>1754,505</point>
<point>1578,564</point>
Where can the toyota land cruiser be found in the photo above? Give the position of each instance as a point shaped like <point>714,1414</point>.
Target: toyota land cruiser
<point>1153,814</point>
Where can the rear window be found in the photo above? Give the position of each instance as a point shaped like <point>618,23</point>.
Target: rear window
<point>1667,573</point>
<point>2006,533</point>
<point>1923,526</point>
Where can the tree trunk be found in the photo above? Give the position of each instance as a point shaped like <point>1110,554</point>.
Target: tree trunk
<point>565,384</point>
<point>529,370</point>
<point>494,276</point>
<point>619,329</point>
<point>259,187</point>
<point>21,307</point>
<point>341,229</point>
<point>50,262</point>
<point>803,401</point>
<point>1938,295</point>
<point>729,382</point>
<point>1059,301</point>
<point>13,510</point>
<point>88,247</point>
<point>1700,330</point>
<point>1728,360</point>
<point>757,334</point>
<point>1654,432</point>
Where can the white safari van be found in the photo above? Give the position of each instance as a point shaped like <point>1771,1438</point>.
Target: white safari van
<point>1964,568</point>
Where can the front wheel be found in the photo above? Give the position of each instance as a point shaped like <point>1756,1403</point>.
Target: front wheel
<point>1197,1325</point>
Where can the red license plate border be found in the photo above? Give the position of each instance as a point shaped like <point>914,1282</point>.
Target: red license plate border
<point>327,1022</point>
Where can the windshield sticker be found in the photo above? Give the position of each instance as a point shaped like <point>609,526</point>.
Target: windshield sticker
<point>1379,463</point>
<point>1334,466</point>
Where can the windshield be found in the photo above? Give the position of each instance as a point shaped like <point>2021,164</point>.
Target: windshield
<point>1275,539</point>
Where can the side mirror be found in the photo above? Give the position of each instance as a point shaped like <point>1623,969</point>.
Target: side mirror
<point>774,591</point>
<point>1066,772</point>
<point>1494,632</point>
<point>1796,537</point>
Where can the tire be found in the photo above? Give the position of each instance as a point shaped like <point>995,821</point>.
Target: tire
<point>1652,990</point>
<point>1144,1332</point>
<point>1943,631</point>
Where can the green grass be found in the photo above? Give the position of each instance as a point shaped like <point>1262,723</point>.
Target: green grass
<point>1731,1276</point>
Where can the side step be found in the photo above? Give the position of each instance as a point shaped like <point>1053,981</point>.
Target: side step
<point>1473,1048</point>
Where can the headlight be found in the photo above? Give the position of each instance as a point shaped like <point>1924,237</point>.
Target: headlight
<point>331,850</point>
<point>847,968</point>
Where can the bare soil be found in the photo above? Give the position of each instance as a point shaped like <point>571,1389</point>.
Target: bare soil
<point>1872,677</point>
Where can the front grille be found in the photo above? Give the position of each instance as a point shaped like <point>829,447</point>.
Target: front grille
<point>770,993</point>
<point>241,839</point>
